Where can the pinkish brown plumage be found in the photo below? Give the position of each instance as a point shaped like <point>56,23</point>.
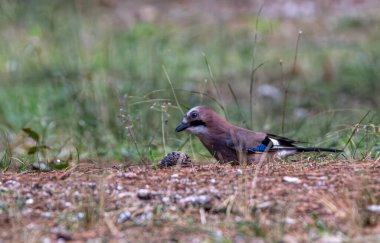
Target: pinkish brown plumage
<point>230,143</point>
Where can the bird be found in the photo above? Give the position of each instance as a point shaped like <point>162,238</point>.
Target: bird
<point>228,143</point>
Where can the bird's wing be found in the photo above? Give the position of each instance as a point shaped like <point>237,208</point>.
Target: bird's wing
<point>284,139</point>
<point>245,140</point>
<point>258,142</point>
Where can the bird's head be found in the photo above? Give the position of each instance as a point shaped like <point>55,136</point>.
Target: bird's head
<point>197,120</point>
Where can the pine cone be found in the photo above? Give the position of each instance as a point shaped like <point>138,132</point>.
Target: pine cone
<point>175,158</point>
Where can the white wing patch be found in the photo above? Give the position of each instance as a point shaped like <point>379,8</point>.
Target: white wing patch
<point>274,142</point>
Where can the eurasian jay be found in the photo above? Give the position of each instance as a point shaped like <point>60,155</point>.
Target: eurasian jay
<point>230,143</point>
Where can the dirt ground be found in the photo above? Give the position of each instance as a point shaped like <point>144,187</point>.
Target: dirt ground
<point>293,201</point>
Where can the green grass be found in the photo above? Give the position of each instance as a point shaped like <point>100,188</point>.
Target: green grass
<point>71,75</point>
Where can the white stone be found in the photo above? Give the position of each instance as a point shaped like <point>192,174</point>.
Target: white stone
<point>124,216</point>
<point>293,180</point>
<point>373,208</point>
<point>290,220</point>
<point>29,201</point>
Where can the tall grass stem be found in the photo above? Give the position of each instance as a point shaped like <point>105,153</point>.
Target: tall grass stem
<point>286,91</point>
<point>254,69</point>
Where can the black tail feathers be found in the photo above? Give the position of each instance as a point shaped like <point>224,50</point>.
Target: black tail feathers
<point>316,149</point>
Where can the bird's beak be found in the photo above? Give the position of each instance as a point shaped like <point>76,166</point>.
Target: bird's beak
<point>182,126</point>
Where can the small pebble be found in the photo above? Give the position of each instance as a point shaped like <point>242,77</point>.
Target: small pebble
<point>47,214</point>
<point>144,194</point>
<point>31,226</point>
<point>174,176</point>
<point>165,199</point>
<point>290,220</point>
<point>11,183</point>
<point>238,172</point>
<point>177,197</point>
<point>81,215</point>
<point>4,189</point>
<point>125,194</point>
<point>124,216</point>
<point>29,201</point>
<point>76,194</point>
<point>213,190</point>
<point>201,200</point>
<point>321,183</point>
<point>46,240</point>
<point>91,185</point>
<point>129,175</point>
<point>68,205</point>
<point>323,178</point>
<point>173,208</point>
<point>48,187</point>
<point>27,211</point>
<point>41,167</point>
<point>293,180</point>
<point>144,217</point>
<point>373,208</point>
<point>264,204</point>
<point>330,239</point>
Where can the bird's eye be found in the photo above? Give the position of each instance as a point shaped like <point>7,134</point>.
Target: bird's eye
<point>194,115</point>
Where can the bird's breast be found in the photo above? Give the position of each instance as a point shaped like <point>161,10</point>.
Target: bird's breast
<point>219,150</point>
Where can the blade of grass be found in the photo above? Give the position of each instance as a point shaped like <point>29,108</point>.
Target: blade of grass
<point>128,124</point>
<point>172,88</point>
<point>212,77</point>
<point>208,96</point>
<point>254,69</point>
<point>237,104</point>
<point>218,96</point>
<point>163,132</point>
<point>179,107</point>
<point>353,132</point>
<point>286,91</point>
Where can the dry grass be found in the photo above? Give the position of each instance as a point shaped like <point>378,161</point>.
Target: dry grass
<point>203,202</point>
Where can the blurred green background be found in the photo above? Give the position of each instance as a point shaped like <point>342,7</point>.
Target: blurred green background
<point>91,79</point>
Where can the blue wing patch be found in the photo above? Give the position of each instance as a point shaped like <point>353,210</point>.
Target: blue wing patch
<point>260,148</point>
